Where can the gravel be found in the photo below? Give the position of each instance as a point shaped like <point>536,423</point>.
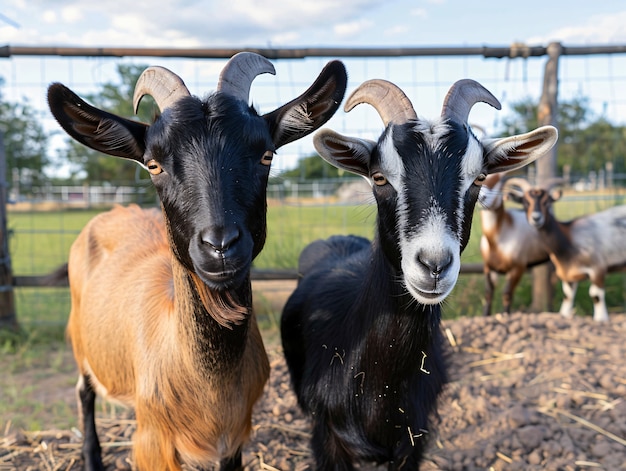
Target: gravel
<point>527,392</point>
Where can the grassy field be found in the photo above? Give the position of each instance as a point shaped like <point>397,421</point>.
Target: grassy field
<point>39,371</point>
<point>40,242</point>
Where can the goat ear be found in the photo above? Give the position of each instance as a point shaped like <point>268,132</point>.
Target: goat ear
<point>514,152</point>
<point>348,153</point>
<point>102,131</point>
<point>310,110</point>
<point>555,194</point>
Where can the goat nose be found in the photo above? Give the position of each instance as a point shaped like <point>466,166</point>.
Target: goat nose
<point>536,217</point>
<point>220,239</point>
<point>435,265</point>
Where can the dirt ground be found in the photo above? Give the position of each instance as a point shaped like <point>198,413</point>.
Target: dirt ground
<point>527,392</point>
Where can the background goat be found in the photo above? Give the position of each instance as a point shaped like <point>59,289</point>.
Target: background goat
<point>361,331</point>
<point>508,244</point>
<point>588,246</point>
<point>161,315</point>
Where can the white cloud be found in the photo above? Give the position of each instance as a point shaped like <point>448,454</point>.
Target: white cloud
<point>71,14</point>
<point>189,23</point>
<point>608,29</point>
<point>281,10</point>
<point>209,23</point>
<point>352,28</point>
<point>129,21</point>
<point>397,30</point>
<point>288,37</point>
<point>49,16</point>
<point>419,12</point>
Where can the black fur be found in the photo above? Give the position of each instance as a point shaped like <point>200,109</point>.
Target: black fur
<point>361,332</point>
<point>212,191</point>
<point>367,359</point>
<point>355,342</point>
<point>210,151</point>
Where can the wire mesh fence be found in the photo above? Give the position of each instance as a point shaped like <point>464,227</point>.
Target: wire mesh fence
<point>43,224</point>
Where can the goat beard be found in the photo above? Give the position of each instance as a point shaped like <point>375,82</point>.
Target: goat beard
<point>221,306</point>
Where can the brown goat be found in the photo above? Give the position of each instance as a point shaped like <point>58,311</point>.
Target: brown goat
<point>137,339</point>
<point>508,244</point>
<point>587,247</point>
<point>161,315</point>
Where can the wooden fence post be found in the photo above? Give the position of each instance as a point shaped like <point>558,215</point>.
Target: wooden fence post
<point>543,285</point>
<point>8,318</point>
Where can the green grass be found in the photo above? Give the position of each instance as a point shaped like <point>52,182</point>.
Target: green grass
<point>40,242</point>
<point>38,377</point>
<point>291,228</point>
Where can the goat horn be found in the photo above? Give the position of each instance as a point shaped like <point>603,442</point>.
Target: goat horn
<point>239,72</point>
<point>389,100</point>
<point>161,84</point>
<point>462,96</point>
<point>519,182</point>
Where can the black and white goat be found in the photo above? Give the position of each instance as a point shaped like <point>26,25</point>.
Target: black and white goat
<point>508,244</point>
<point>589,246</point>
<point>161,315</point>
<point>361,331</point>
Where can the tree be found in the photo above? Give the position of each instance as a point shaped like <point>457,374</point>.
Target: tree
<point>25,143</point>
<point>611,142</point>
<point>312,167</point>
<point>116,98</point>
<point>586,142</point>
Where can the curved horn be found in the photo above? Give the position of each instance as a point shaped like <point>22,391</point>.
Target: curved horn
<point>389,100</point>
<point>524,185</point>
<point>239,72</point>
<point>161,84</point>
<point>462,96</point>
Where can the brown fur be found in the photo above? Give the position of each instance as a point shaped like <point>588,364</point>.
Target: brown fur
<point>133,328</point>
<point>497,261</point>
<point>508,245</point>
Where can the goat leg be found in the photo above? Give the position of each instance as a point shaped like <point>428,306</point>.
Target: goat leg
<point>569,294</point>
<point>597,294</point>
<point>512,280</point>
<point>490,281</point>
<point>329,451</point>
<point>91,451</point>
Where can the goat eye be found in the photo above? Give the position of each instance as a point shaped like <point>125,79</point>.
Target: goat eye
<point>379,179</point>
<point>267,157</point>
<point>154,167</point>
<point>480,179</point>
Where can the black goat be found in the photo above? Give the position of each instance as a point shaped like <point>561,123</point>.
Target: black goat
<point>161,315</point>
<point>361,331</point>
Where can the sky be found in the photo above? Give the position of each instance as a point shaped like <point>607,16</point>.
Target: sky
<point>318,23</point>
<point>287,23</point>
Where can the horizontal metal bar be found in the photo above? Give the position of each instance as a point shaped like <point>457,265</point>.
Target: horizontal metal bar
<point>515,50</point>
<point>257,275</point>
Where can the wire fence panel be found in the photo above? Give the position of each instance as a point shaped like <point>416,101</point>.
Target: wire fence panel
<point>43,225</point>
